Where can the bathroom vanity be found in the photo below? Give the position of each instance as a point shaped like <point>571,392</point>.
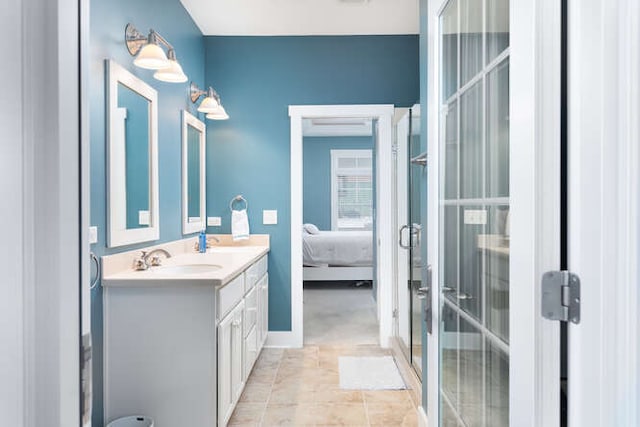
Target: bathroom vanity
<point>180,339</point>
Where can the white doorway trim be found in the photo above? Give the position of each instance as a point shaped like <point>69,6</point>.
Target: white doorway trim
<point>384,214</point>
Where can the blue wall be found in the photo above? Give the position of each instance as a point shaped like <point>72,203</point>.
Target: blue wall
<point>108,19</point>
<point>258,78</point>
<point>316,153</point>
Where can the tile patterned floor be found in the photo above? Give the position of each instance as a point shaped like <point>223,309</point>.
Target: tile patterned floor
<point>300,387</point>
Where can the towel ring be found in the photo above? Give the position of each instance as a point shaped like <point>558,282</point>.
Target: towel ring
<point>238,198</point>
<point>95,259</point>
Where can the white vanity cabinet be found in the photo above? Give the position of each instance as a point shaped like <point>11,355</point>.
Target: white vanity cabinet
<point>242,328</point>
<point>179,346</point>
<point>230,364</point>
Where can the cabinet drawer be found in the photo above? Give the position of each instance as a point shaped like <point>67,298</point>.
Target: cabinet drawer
<point>229,295</point>
<point>255,272</point>
<point>250,310</point>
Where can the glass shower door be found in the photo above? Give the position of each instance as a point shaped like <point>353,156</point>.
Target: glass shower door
<point>474,211</point>
<point>411,185</point>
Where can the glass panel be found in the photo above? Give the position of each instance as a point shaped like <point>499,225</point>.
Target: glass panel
<point>469,297</point>
<point>470,374</point>
<point>471,143</point>
<point>474,227</point>
<point>497,387</point>
<point>417,176</point>
<point>498,131</point>
<point>451,152</point>
<point>495,245</point>
<point>449,356</point>
<point>449,23</point>
<point>193,174</point>
<point>470,39</point>
<point>134,110</point>
<point>497,28</point>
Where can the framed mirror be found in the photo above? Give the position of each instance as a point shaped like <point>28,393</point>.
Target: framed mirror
<point>132,158</point>
<point>193,174</point>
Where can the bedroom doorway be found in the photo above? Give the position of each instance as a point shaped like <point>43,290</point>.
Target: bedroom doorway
<point>369,226</point>
<point>339,283</point>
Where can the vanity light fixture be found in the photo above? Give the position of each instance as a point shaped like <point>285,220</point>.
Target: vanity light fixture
<point>211,104</point>
<point>150,55</point>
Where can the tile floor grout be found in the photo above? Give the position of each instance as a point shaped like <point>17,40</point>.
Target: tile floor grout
<point>317,364</point>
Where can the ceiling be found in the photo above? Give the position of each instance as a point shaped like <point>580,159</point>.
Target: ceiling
<point>304,17</point>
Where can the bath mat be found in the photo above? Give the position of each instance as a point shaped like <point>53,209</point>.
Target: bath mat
<point>369,373</point>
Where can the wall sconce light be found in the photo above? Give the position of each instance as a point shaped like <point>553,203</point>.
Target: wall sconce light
<point>211,104</point>
<point>151,56</point>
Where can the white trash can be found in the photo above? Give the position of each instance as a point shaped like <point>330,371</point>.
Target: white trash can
<point>132,421</point>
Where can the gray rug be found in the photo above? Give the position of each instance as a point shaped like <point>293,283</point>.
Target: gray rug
<point>369,373</point>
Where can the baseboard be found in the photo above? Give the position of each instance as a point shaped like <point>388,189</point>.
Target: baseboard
<point>281,339</point>
<point>422,417</point>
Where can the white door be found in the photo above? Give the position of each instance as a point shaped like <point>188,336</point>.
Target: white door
<point>603,205</point>
<point>493,211</point>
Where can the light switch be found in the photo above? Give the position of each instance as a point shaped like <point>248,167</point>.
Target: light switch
<point>93,235</point>
<point>143,218</point>
<point>269,217</point>
<point>475,217</point>
<point>214,221</point>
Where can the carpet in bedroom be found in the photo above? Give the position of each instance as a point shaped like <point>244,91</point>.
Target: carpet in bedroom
<point>339,314</point>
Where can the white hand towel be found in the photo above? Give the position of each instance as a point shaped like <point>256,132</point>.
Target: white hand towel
<point>239,225</point>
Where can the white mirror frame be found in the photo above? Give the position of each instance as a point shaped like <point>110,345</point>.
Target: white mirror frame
<point>189,119</point>
<point>118,234</point>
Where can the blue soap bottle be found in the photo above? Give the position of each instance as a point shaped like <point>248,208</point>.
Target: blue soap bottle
<point>202,242</point>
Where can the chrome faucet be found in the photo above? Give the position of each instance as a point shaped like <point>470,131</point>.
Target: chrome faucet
<point>149,259</point>
<point>196,246</point>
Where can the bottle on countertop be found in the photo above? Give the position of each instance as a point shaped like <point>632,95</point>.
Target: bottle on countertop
<point>202,242</point>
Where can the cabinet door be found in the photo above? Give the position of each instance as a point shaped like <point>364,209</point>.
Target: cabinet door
<point>237,382</point>
<point>250,351</point>
<point>263,310</point>
<point>224,368</point>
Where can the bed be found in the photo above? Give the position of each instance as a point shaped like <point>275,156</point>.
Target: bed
<point>337,255</point>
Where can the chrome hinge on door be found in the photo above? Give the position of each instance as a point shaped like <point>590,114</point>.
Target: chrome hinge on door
<point>561,296</point>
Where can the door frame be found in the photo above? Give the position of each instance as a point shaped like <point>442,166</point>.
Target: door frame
<point>41,255</point>
<point>534,201</point>
<point>603,204</point>
<point>384,215</point>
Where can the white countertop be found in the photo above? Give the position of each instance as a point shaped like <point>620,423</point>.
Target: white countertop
<point>230,261</point>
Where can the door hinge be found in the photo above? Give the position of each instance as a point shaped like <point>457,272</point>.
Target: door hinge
<point>394,314</point>
<point>561,296</point>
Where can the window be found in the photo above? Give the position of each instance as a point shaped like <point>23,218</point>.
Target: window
<point>351,190</point>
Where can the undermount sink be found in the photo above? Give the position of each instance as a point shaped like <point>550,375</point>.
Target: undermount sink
<point>187,268</point>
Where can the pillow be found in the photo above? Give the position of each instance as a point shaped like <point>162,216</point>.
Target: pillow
<point>311,229</point>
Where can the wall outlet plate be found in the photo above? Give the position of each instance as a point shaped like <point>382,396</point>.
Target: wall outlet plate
<point>475,217</point>
<point>144,217</point>
<point>214,221</point>
<point>269,217</point>
<point>93,235</point>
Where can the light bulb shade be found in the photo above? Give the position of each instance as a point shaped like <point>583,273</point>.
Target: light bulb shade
<point>151,57</point>
<point>172,74</point>
<point>219,114</point>
<point>208,105</point>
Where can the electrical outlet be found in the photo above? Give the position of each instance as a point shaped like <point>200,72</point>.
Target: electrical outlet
<point>269,217</point>
<point>475,217</point>
<point>93,235</point>
<point>144,218</point>
<point>214,221</point>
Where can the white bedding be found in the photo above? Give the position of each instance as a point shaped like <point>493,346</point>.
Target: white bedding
<point>338,248</point>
